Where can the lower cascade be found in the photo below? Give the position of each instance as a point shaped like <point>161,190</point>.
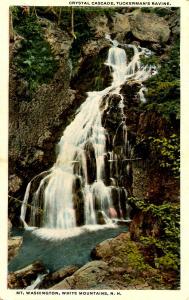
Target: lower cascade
<point>82,187</point>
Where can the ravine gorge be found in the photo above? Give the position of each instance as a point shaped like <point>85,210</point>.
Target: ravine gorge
<point>94,148</point>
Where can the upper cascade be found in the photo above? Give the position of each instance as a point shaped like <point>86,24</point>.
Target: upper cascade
<point>67,196</point>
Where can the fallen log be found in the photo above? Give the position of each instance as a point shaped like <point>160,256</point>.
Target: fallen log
<point>24,277</point>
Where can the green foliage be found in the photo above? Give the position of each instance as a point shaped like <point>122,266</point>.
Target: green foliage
<point>168,153</point>
<point>34,60</point>
<point>150,60</point>
<point>99,83</point>
<point>146,9</point>
<point>169,261</point>
<point>15,12</point>
<point>130,256</point>
<point>167,109</point>
<point>161,12</point>
<point>136,261</point>
<point>170,66</point>
<point>168,243</point>
<point>163,92</point>
<point>95,10</point>
<point>83,34</point>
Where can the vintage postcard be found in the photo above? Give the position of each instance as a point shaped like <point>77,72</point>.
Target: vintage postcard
<point>94,120</point>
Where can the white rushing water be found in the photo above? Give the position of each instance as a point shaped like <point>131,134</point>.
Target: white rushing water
<point>54,195</point>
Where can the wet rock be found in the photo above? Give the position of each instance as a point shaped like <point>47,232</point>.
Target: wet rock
<point>91,162</point>
<point>127,265</point>
<point>14,245</point>
<point>78,201</point>
<point>87,277</point>
<point>101,218</point>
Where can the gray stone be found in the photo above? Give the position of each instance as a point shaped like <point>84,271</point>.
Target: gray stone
<point>149,27</point>
<point>87,277</point>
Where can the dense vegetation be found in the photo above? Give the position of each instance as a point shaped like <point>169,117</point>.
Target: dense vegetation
<point>163,96</point>
<point>164,89</point>
<point>164,244</point>
<point>34,60</point>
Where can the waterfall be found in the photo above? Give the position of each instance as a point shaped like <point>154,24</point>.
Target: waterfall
<point>70,195</point>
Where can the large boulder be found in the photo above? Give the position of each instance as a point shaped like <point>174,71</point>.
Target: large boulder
<point>87,277</point>
<point>114,250</point>
<point>120,26</point>
<point>149,27</point>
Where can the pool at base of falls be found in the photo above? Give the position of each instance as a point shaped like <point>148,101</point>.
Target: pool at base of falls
<point>56,250</point>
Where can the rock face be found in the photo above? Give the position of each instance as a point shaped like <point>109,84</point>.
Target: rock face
<point>38,118</point>
<point>143,26</point>
<point>35,126</point>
